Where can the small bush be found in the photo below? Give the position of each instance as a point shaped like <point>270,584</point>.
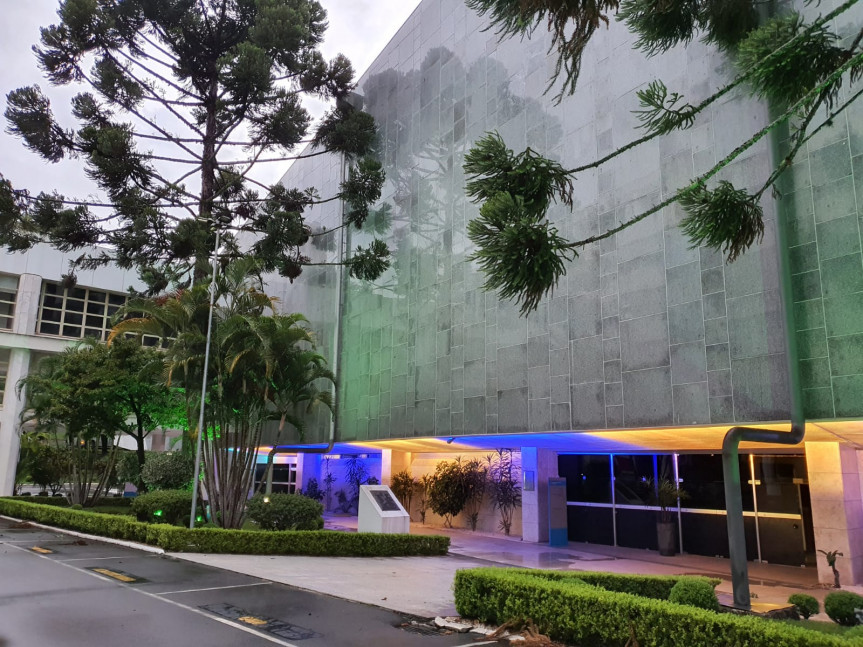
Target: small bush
<point>163,506</point>
<point>840,606</point>
<point>695,593</point>
<point>286,512</point>
<point>806,605</point>
<point>168,471</point>
<point>313,490</point>
<point>76,506</point>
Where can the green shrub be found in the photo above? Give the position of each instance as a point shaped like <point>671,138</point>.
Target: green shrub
<point>570,612</point>
<point>63,502</point>
<point>95,523</point>
<point>168,471</point>
<point>163,506</point>
<point>657,587</point>
<point>76,506</point>
<point>216,540</point>
<point>840,606</point>
<point>286,512</point>
<point>695,593</point>
<point>806,604</point>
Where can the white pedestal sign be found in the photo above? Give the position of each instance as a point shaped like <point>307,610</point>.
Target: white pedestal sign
<point>380,511</point>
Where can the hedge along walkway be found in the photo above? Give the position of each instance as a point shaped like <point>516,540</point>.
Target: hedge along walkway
<point>216,540</point>
<point>599,610</point>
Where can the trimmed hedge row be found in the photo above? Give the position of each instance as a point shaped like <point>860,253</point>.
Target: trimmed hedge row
<point>572,611</point>
<point>63,502</point>
<point>657,587</point>
<point>216,540</point>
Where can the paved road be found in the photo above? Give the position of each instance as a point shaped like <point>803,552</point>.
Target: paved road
<point>59,598</point>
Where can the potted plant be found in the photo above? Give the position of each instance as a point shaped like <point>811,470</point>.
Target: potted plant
<point>665,493</point>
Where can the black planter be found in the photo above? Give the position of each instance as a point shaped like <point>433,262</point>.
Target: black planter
<point>666,536</point>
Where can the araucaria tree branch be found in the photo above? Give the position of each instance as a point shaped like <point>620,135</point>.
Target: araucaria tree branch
<point>796,66</point>
<point>183,77</point>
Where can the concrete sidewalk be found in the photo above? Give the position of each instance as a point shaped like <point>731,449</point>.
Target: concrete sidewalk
<point>423,585</point>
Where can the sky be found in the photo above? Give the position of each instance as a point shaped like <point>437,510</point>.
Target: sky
<point>359,29</point>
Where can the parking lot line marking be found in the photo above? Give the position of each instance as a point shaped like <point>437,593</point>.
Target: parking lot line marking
<point>179,605</point>
<point>42,551</point>
<point>114,574</point>
<point>214,588</point>
<point>93,559</point>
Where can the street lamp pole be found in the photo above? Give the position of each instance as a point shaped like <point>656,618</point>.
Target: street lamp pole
<point>204,378</point>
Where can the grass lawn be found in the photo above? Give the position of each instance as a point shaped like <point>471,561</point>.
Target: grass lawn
<point>817,625</point>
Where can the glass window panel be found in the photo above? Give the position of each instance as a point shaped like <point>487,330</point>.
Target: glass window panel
<point>117,299</point>
<point>6,295</point>
<point>52,288</point>
<point>71,331</point>
<point>95,333</point>
<point>701,479</point>
<point>52,302</point>
<point>95,295</point>
<point>74,305</point>
<point>633,475</point>
<point>778,481</point>
<point>52,315</point>
<point>112,310</point>
<point>4,370</point>
<point>73,318</point>
<point>588,478</point>
<point>78,293</point>
<point>5,322</point>
<point>96,308</point>
<point>93,320</point>
<point>49,329</point>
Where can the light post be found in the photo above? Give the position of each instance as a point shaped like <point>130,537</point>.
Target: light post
<point>204,378</point>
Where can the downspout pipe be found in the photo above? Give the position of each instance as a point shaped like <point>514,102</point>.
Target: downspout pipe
<point>736,435</point>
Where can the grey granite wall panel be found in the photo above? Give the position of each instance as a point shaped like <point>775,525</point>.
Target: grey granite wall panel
<point>644,330</point>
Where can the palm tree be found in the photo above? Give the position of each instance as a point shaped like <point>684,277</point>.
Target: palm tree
<point>263,367</point>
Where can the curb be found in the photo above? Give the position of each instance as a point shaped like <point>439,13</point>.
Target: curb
<point>107,540</point>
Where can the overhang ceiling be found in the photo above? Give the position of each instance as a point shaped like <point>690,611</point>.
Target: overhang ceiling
<point>658,439</point>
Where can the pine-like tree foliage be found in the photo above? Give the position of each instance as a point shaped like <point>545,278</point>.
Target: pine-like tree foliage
<point>662,112</point>
<point>663,24</point>
<point>570,22</point>
<point>520,253</point>
<point>724,218</point>
<point>493,168</point>
<point>798,66</point>
<point>813,59</point>
<point>660,24</point>
<point>217,84</point>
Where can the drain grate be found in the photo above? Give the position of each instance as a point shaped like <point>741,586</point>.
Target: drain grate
<point>420,629</point>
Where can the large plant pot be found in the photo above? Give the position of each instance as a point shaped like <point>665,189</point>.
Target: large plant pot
<point>666,536</point>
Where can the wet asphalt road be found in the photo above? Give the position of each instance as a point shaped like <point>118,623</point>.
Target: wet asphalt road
<point>141,599</point>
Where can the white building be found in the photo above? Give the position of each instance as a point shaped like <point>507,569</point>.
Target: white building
<point>39,317</point>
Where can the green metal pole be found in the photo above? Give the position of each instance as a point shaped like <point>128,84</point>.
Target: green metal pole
<point>730,445</point>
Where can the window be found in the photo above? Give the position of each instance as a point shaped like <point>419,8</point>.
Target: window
<point>77,312</point>
<point>4,371</point>
<point>8,292</point>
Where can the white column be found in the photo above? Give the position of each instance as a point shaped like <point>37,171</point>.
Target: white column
<point>19,364</point>
<point>27,304</point>
<point>534,504</point>
<point>835,473</point>
<point>393,462</point>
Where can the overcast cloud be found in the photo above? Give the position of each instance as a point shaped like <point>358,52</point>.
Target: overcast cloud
<point>359,29</point>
